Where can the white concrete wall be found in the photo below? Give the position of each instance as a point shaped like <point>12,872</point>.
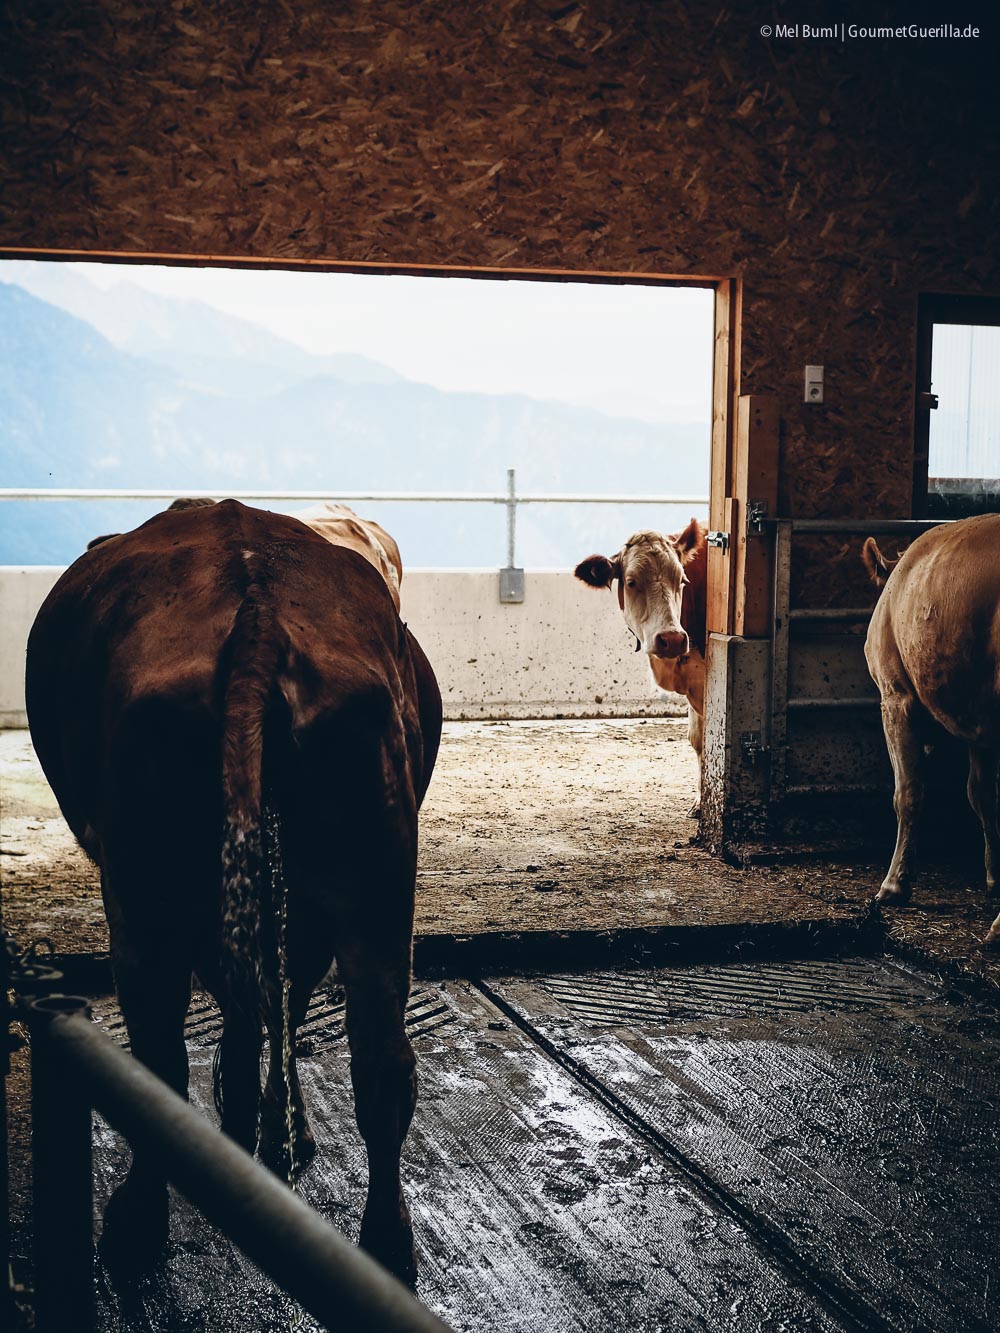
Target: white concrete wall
<point>564,651</point>
<point>22,592</point>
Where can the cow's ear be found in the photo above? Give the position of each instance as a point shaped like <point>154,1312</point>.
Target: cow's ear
<point>598,570</point>
<point>98,541</point>
<point>687,542</point>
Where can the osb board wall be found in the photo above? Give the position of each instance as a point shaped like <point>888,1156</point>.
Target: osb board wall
<point>827,570</point>
<point>837,179</point>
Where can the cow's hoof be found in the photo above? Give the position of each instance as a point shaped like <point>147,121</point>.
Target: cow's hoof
<point>896,894</point>
<point>392,1246</point>
<point>992,940</point>
<point>135,1231</point>
<point>695,811</point>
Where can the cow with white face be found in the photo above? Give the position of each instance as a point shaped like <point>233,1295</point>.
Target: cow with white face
<point>662,584</point>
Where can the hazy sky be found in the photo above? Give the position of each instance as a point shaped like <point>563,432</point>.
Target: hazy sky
<point>633,350</point>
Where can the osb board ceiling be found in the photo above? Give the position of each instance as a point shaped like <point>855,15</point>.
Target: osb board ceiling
<point>837,179</point>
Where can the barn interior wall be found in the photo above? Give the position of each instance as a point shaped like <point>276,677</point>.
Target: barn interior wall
<point>836,180</point>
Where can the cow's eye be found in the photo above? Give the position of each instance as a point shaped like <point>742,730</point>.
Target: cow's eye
<point>630,583</point>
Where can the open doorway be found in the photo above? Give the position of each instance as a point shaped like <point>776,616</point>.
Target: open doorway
<point>289,385</point>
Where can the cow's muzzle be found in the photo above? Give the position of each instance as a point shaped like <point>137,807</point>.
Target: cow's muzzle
<point>671,643</point>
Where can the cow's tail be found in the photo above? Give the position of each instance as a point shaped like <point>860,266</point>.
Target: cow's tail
<point>253,656</point>
<point>879,566</point>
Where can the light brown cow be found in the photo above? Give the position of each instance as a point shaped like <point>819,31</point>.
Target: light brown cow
<point>341,526</point>
<point>662,592</point>
<point>933,650</point>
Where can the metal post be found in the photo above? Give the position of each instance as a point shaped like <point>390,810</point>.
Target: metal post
<point>511,516</point>
<point>511,578</point>
<point>61,1178</point>
<point>779,658</point>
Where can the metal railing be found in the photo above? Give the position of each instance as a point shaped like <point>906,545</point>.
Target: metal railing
<point>784,704</point>
<point>75,1068</point>
<point>510,498</point>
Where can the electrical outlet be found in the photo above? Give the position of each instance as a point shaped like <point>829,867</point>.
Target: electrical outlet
<point>814,384</point>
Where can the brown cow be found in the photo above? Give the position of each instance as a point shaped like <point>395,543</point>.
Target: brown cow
<point>933,650</point>
<point>662,591</point>
<point>232,717</point>
<point>339,525</point>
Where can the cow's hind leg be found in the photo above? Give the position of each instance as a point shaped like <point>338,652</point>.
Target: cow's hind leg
<point>376,979</point>
<point>983,799</point>
<point>154,997</point>
<point>374,934</point>
<point>900,718</point>
<point>984,763</point>
<point>366,892</point>
<point>238,1076</point>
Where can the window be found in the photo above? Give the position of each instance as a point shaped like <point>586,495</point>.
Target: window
<point>958,407</point>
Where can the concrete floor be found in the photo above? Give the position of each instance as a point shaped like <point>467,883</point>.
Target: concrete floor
<point>803,1145</point>
<point>744,1145</point>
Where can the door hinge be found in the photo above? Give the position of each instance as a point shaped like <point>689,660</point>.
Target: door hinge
<point>927,402</point>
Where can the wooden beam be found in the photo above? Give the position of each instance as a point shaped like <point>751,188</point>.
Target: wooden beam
<point>721,512</point>
<point>235,259</point>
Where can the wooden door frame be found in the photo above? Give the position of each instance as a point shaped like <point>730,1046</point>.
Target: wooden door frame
<point>723,512</point>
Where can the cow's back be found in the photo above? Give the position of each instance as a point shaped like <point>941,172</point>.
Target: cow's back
<point>134,636</point>
<point>936,628</point>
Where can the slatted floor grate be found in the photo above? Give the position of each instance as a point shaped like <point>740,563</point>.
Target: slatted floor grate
<point>733,989</point>
<point>426,1012</point>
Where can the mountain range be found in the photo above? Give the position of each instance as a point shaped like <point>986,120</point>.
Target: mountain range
<point>125,388</point>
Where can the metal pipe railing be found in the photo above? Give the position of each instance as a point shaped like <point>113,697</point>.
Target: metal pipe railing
<point>865,526</point>
<point>509,498</point>
<point>80,1068</point>
<point>336,497</point>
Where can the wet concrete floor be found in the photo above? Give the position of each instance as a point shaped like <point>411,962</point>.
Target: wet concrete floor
<point>746,1146</point>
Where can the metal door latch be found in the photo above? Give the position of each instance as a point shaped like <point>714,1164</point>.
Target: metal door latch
<point>752,749</point>
<point>720,539</point>
<point>927,402</point>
